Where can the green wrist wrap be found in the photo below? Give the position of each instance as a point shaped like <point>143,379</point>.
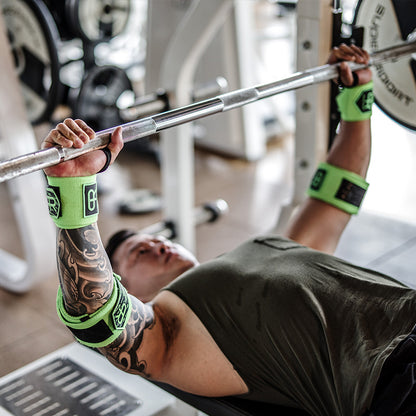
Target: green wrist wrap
<point>355,104</point>
<point>103,326</point>
<point>338,187</point>
<point>72,201</point>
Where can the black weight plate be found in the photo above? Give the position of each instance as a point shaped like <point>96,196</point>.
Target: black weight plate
<point>58,11</point>
<point>387,23</point>
<point>33,38</point>
<point>96,102</point>
<point>98,20</point>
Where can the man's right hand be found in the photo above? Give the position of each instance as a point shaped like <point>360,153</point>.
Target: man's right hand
<point>76,133</point>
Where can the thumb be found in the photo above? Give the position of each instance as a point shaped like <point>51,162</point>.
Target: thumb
<point>116,143</point>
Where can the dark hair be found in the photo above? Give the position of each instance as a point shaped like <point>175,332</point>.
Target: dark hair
<point>116,239</point>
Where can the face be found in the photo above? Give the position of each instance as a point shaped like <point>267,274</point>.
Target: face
<point>147,263</point>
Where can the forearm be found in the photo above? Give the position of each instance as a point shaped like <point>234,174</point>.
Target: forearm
<point>91,301</point>
<point>351,149</point>
<point>85,272</point>
<point>86,280</point>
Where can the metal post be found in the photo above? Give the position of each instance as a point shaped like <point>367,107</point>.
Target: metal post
<point>190,40</point>
<point>314,40</point>
<point>27,194</point>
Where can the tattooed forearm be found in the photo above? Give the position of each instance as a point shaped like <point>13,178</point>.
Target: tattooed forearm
<point>84,270</point>
<point>86,280</point>
<point>123,352</point>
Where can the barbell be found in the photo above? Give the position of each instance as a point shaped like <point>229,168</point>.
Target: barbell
<point>147,126</point>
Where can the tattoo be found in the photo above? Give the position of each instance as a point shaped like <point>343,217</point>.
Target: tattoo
<point>123,351</point>
<point>84,270</point>
<point>86,280</point>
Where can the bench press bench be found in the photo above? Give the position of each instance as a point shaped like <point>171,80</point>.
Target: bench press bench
<point>231,406</point>
<point>76,380</point>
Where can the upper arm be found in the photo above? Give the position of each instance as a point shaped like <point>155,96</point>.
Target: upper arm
<point>124,351</point>
<point>317,225</point>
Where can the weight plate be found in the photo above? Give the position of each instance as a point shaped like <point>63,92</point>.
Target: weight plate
<point>33,35</point>
<point>97,98</point>
<point>98,20</point>
<point>58,11</point>
<point>387,23</point>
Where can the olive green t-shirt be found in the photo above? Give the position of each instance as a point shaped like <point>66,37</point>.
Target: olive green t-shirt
<point>302,328</point>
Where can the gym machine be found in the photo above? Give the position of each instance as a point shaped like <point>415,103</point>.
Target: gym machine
<point>26,195</point>
<point>35,41</point>
<point>188,68</point>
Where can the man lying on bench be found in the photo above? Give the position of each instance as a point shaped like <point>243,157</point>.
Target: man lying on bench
<point>277,320</point>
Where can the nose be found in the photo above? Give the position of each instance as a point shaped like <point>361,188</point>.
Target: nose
<point>160,247</point>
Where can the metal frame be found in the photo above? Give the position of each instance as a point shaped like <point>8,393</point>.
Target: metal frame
<point>314,41</point>
<point>178,69</point>
<point>27,194</point>
<point>188,45</point>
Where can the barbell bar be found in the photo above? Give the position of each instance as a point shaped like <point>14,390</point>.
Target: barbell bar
<point>147,126</point>
<point>159,101</point>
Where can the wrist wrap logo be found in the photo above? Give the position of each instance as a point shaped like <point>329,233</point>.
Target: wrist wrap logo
<point>318,179</point>
<point>53,197</point>
<point>90,200</point>
<point>122,308</point>
<point>365,101</point>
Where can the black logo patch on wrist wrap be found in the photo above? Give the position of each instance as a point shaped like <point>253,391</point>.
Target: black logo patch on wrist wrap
<point>365,101</point>
<point>120,312</point>
<point>90,200</point>
<point>318,179</point>
<point>350,192</point>
<point>53,196</point>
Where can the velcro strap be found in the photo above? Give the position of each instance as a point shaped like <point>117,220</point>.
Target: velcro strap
<point>103,326</point>
<point>338,187</point>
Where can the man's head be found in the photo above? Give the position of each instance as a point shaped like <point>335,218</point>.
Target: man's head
<point>147,263</point>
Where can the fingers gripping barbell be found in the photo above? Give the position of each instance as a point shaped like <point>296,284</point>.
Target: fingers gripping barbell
<point>144,127</point>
